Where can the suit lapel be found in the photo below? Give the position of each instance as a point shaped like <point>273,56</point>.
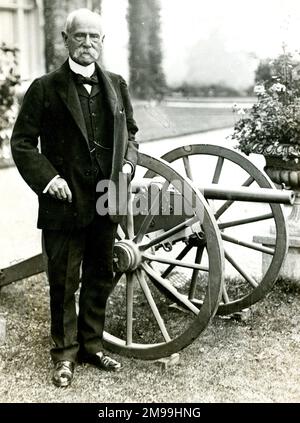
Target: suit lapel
<point>109,88</point>
<point>67,90</point>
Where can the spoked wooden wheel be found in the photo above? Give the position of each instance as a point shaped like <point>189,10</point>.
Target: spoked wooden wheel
<point>150,316</point>
<point>240,222</point>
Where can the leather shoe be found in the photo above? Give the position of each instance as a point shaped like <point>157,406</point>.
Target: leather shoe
<point>101,361</point>
<point>63,373</point>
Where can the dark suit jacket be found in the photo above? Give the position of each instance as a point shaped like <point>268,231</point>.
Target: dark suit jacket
<point>51,110</point>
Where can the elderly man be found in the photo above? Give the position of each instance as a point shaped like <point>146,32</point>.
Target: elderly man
<point>83,117</point>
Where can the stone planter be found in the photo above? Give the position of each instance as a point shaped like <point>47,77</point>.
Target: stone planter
<point>283,172</point>
<point>286,174</point>
<point>276,152</point>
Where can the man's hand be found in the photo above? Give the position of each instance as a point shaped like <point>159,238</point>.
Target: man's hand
<point>60,190</point>
<point>127,168</point>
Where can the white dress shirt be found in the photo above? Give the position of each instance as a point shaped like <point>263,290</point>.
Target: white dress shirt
<point>86,71</point>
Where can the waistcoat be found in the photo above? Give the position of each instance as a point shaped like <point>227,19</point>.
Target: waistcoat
<point>99,123</point>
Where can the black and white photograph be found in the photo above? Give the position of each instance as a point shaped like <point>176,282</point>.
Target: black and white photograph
<point>150,204</point>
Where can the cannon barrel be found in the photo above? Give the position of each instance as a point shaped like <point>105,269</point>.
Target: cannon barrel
<point>219,192</point>
<point>259,195</point>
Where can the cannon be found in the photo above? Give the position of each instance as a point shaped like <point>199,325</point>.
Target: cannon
<point>182,231</point>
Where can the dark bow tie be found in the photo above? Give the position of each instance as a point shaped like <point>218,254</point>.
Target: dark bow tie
<point>93,80</point>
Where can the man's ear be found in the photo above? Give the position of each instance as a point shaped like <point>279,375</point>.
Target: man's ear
<point>65,38</point>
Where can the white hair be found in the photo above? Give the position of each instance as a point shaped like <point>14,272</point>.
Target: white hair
<point>81,12</point>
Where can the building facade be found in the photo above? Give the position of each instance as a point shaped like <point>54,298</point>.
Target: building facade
<point>22,26</point>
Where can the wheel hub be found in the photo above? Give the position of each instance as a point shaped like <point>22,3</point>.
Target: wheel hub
<point>127,256</point>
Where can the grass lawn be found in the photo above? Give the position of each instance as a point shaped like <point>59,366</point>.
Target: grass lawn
<point>162,121</point>
<point>158,121</point>
<point>252,360</point>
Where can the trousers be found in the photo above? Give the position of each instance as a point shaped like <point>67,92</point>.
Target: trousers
<point>87,251</point>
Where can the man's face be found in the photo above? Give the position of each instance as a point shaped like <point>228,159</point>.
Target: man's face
<point>84,40</point>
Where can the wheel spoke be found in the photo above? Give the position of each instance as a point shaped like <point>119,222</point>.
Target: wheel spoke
<point>218,170</point>
<point>120,233</point>
<point>245,221</point>
<point>165,284</point>
<point>225,296</point>
<point>242,272</point>
<point>187,167</point>
<point>157,285</point>
<point>228,203</point>
<point>169,233</point>
<point>150,216</point>
<point>116,279</point>
<point>251,245</point>
<point>193,285</point>
<point>129,308</point>
<point>180,256</point>
<point>174,262</point>
<point>152,305</point>
<point>130,221</point>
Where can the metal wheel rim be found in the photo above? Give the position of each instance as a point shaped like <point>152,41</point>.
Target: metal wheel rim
<point>263,181</point>
<point>210,305</point>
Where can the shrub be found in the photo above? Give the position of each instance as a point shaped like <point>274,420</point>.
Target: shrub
<point>272,125</point>
<point>9,80</point>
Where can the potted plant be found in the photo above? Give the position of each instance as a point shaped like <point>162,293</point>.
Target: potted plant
<point>272,126</point>
<point>9,80</point>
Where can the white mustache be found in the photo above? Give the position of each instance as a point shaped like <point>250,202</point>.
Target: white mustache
<point>78,52</point>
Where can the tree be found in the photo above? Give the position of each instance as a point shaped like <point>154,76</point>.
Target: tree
<point>263,71</point>
<point>284,69</point>
<point>147,78</point>
<point>55,14</point>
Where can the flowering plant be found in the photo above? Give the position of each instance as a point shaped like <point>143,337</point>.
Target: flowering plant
<point>8,83</point>
<point>272,125</point>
